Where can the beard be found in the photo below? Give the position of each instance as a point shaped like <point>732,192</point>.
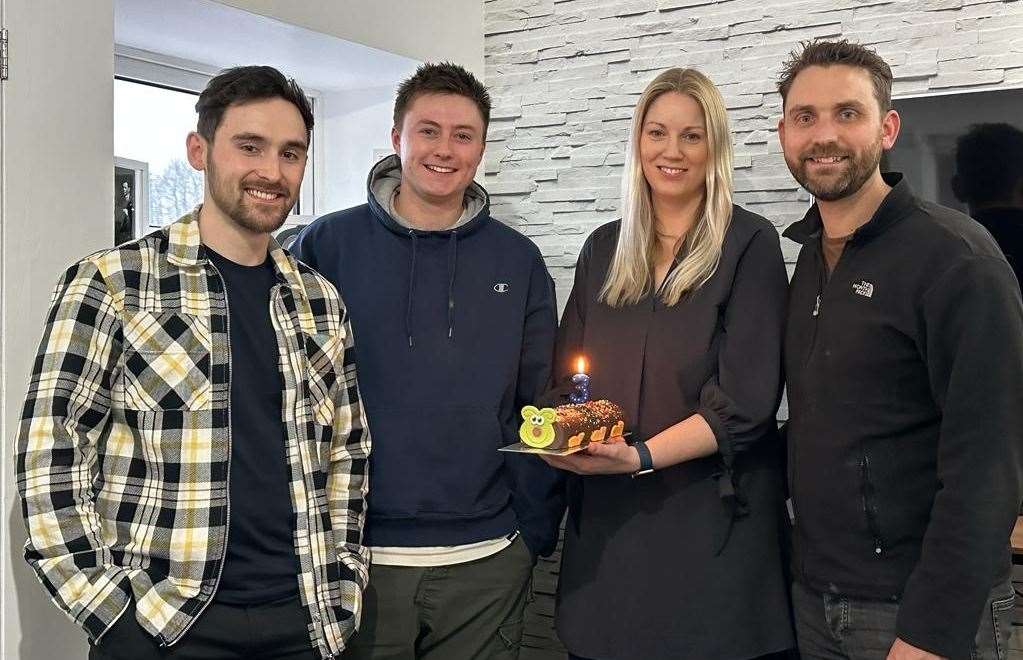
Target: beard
<point>856,169</point>
<point>233,201</point>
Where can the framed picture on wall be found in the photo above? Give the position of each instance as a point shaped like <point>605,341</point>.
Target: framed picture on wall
<point>131,199</point>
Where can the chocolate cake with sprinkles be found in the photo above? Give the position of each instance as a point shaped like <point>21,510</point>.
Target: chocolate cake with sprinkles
<point>571,425</point>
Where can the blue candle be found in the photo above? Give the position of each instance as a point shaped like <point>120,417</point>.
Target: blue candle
<point>582,384</point>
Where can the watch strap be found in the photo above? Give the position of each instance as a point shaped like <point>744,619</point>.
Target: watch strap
<point>646,461</point>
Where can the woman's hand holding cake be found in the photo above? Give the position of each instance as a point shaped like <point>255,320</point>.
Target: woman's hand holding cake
<point>611,457</point>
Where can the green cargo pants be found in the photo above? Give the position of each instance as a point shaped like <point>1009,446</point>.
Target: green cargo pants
<point>470,611</point>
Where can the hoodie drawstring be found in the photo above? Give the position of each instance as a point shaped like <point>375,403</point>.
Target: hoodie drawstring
<point>411,288</point>
<point>452,264</point>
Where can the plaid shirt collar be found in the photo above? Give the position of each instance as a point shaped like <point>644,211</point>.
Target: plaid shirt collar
<point>185,250</point>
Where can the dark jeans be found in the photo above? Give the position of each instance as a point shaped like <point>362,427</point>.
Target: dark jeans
<point>835,627</point>
<point>470,610</point>
<point>278,631</point>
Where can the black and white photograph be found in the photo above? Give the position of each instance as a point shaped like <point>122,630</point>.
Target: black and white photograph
<point>131,181</point>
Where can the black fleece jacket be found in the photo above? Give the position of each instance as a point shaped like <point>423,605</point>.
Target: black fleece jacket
<point>905,385</point>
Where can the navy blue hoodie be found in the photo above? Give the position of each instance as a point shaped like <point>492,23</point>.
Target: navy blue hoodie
<point>454,334</point>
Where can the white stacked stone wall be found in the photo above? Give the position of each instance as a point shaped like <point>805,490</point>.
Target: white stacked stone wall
<point>565,76</point>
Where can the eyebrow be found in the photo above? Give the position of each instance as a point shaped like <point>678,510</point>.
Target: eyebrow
<point>684,128</point>
<point>259,139</point>
<point>848,103</point>
<point>430,122</point>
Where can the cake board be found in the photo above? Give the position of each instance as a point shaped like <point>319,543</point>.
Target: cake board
<point>523,448</point>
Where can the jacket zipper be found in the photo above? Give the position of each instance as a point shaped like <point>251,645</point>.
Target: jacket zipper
<point>227,484</point>
<point>320,618</point>
<point>870,504</point>
<point>822,283</point>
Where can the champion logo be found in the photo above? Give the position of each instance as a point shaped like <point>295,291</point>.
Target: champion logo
<point>863,288</point>
<point>501,287</point>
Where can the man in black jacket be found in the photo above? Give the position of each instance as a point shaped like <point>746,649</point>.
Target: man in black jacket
<point>904,359</point>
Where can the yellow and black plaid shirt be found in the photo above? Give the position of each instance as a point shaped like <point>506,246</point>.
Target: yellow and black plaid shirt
<point>124,445</point>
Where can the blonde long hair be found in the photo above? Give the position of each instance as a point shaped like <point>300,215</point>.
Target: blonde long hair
<point>630,277</point>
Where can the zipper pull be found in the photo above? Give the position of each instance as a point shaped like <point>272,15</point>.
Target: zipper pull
<point>817,306</point>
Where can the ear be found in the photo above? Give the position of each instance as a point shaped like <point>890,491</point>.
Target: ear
<point>890,126</point>
<point>781,131</point>
<point>549,414</point>
<point>196,148</point>
<point>529,411</point>
<point>396,139</point>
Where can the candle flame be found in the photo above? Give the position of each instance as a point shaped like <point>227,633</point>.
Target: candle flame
<point>580,365</point>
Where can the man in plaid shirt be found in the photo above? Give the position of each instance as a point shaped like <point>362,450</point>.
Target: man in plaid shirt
<point>192,452</point>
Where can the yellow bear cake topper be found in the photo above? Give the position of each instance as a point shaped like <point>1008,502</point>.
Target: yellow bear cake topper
<point>537,428</point>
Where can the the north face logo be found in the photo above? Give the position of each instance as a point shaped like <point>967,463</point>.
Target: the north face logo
<point>864,288</point>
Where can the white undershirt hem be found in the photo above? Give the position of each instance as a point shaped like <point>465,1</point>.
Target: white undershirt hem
<point>428,556</point>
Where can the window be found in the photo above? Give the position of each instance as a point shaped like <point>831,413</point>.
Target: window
<point>150,125</point>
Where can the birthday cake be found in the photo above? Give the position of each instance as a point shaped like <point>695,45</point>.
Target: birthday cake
<point>571,425</point>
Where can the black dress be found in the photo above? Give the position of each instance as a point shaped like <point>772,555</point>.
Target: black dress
<point>684,563</point>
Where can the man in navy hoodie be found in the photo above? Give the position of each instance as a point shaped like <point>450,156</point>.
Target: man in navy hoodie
<point>456,318</point>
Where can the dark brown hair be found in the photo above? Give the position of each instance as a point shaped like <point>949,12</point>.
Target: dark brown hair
<point>830,53</point>
<point>243,84</point>
<point>442,78</point>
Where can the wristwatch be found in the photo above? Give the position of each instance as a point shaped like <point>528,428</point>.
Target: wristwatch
<point>646,461</point>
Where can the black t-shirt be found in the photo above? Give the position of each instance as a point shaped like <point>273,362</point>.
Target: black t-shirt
<point>260,564</point>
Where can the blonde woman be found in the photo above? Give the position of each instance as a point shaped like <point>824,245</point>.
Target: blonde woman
<point>673,545</point>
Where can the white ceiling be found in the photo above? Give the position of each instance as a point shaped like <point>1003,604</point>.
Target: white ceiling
<point>220,36</point>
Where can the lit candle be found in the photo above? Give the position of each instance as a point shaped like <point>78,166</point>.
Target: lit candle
<point>581,382</point>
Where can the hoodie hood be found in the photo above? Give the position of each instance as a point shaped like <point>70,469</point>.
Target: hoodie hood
<point>382,187</point>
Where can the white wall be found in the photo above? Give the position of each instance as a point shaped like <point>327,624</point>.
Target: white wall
<point>58,197</point>
<point>355,123</point>
<point>447,30</point>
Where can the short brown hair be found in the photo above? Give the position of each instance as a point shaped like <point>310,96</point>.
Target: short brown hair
<point>830,53</point>
<point>442,78</point>
<point>244,84</point>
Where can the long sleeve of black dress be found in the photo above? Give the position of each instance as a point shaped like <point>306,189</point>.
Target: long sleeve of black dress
<point>740,400</point>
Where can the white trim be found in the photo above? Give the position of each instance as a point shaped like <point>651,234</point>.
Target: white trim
<point>157,68</point>
<point>5,451</point>
<point>314,164</point>
<point>957,91</point>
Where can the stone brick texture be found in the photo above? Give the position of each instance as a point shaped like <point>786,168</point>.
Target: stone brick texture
<point>566,74</point>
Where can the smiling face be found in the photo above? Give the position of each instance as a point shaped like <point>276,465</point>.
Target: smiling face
<point>673,148</point>
<point>255,163</point>
<point>833,131</point>
<point>440,142</point>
